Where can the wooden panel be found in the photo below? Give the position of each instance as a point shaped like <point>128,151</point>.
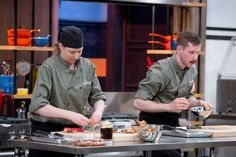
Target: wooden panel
<point>138,24</point>
<point>135,69</point>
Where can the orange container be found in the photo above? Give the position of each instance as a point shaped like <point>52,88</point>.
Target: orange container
<point>21,33</point>
<point>20,41</point>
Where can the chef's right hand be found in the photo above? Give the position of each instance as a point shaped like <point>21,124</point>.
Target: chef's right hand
<point>79,119</point>
<point>179,104</point>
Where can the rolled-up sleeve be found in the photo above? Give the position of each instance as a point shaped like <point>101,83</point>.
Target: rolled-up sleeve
<point>96,91</point>
<point>151,85</point>
<point>42,89</point>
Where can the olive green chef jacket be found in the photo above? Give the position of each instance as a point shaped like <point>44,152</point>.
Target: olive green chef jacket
<point>164,82</point>
<point>74,90</point>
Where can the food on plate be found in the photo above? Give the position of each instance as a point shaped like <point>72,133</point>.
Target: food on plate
<point>141,126</point>
<point>126,131</point>
<point>141,123</point>
<point>86,143</point>
<point>92,121</point>
<point>205,114</point>
<point>73,130</point>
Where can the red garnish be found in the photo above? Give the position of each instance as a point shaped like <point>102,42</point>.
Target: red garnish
<point>73,130</point>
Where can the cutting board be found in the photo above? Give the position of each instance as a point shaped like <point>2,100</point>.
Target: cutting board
<point>91,135</point>
<point>219,130</point>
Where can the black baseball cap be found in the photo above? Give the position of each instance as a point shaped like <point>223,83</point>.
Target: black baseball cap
<point>71,36</point>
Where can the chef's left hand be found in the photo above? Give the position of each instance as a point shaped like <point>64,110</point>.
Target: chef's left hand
<point>206,105</point>
<point>95,118</point>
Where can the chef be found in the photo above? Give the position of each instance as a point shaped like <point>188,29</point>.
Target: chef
<point>67,92</point>
<point>167,88</point>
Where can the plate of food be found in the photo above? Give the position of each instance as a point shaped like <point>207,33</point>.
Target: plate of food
<point>88,143</point>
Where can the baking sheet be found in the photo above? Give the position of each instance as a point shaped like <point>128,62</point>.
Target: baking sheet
<point>92,135</point>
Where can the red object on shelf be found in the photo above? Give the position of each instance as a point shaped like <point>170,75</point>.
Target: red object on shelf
<point>167,46</point>
<point>170,42</point>
<point>20,41</point>
<point>149,62</point>
<point>21,33</point>
<point>167,38</point>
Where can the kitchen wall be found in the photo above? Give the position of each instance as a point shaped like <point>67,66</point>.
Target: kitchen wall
<point>221,26</point>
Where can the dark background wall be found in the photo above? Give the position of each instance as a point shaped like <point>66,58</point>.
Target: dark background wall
<point>123,39</point>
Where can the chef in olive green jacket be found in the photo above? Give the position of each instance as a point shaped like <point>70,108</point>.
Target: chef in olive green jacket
<point>167,88</point>
<point>67,91</point>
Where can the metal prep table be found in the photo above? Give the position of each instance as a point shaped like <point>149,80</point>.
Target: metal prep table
<point>165,143</point>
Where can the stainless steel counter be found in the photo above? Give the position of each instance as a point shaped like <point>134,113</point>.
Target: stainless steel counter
<point>165,143</point>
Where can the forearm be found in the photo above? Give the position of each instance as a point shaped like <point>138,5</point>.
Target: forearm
<point>53,112</point>
<point>194,102</point>
<point>150,106</point>
<point>99,107</point>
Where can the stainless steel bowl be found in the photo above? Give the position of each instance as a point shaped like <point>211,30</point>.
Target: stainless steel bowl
<point>152,134</point>
<point>201,112</point>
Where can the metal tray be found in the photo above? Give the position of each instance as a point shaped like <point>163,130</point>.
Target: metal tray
<point>48,139</point>
<point>186,134</point>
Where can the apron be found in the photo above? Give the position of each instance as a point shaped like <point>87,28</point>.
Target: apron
<point>165,118</point>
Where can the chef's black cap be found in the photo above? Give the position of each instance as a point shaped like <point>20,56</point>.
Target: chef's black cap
<point>71,36</point>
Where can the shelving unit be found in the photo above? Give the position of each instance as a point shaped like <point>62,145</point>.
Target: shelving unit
<point>193,4</point>
<point>18,97</point>
<point>164,52</point>
<point>25,48</point>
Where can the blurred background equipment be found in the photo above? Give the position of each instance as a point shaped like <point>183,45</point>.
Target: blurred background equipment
<point>226,82</point>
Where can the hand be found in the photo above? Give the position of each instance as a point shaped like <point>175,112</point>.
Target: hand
<point>206,105</point>
<point>78,119</point>
<point>179,104</point>
<point>95,118</point>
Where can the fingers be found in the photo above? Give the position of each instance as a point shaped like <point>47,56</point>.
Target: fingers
<point>92,121</point>
<point>95,118</point>
<point>206,105</point>
<point>79,119</point>
<point>182,103</point>
<point>83,121</point>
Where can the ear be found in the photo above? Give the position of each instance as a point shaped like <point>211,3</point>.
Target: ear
<point>178,48</point>
<point>60,45</point>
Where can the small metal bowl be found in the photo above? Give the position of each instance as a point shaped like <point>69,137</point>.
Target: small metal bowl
<point>201,112</point>
<point>152,134</point>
